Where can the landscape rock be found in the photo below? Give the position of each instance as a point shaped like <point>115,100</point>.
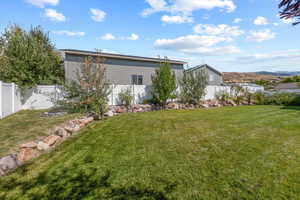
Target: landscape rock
<point>110,113</point>
<point>120,110</point>
<point>27,154</point>
<point>29,145</point>
<point>8,163</point>
<point>42,146</point>
<point>52,139</point>
<point>231,102</point>
<point>61,132</point>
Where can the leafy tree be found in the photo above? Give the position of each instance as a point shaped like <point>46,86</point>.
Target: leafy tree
<point>290,10</point>
<point>291,79</point>
<point>89,92</point>
<point>29,58</point>
<point>163,84</point>
<point>192,86</point>
<point>126,98</point>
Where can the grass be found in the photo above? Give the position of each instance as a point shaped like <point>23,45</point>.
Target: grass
<point>26,126</point>
<point>249,152</point>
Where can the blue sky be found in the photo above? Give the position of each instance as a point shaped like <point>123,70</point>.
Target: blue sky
<point>230,35</point>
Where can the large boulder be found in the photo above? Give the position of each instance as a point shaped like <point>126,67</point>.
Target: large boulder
<point>8,163</point>
<point>52,139</point>
<point>26,154</point>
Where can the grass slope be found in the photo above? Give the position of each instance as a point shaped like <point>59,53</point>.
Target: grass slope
<point>250,152</point>
<point>25,126</point>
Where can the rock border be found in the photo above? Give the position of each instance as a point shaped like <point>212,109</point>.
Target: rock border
<point>33,149</point>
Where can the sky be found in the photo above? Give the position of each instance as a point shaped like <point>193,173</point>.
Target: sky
<point>229,35</point>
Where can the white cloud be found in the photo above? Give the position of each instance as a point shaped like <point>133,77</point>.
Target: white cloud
<point>275,24</point>
<point>197,44</point>
<point>43,3</point>
<point>288,21</point>
<point>187,6</point>
<point>108,36</point>
<point>213,51</point>
<point>176,19</point>
<point>133,36</point>
<point>69,33</point>
<point>272,56</point>
<point>262,35</point>
<point>237,20</point>
<point>97,14</point>
<point>260,21</point>
<point>53,15</point>
<point>221,29</point>
<point>189,41</point>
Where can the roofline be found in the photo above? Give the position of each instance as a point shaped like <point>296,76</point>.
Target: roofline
<point>205,65</point>
<point>120,56</point>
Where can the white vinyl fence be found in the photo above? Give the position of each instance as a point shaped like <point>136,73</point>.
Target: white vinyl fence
<point>43,97</point>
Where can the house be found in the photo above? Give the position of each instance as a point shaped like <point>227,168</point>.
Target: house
<point>120,69</point>
<point>214,76</point>
<point>288,87</point>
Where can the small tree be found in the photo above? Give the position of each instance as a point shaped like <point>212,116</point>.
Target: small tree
<point>163,84</point>
<point>126,98</point>
<point>237,93</point>
<point>29,58</point>
<point>192,86</point>
<point>89,93</point>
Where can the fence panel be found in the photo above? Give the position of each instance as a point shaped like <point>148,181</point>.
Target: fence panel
<point>44,97</point>
<point>7,99</point>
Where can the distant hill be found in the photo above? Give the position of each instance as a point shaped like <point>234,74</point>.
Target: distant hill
<point>279,73</point>
<point>248,77</point>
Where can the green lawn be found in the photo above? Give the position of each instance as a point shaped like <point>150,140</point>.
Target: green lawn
<point>26,126</point>
<point>249,152</point>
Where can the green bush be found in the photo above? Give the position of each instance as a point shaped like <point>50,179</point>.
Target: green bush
<point>126,98</point>
<point>283,99</point>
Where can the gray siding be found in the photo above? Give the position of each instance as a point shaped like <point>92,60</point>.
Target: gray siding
<point>119,71</point>
<point>214,78</point>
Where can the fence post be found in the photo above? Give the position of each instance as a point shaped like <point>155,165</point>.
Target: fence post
<point>0,99</point>
<point>13,89</point>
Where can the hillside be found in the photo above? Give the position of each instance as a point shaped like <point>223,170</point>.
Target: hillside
<point>235,77</point>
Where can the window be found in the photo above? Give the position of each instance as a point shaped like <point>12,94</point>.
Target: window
<point>211,78</point>
<point>134,79</point>
<point>140,80</point>
<point>137,79</point>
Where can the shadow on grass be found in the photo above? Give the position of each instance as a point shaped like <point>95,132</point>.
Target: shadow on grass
<point>78,183</point>
<point>291,108</point>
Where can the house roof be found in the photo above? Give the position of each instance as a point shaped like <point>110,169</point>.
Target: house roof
<point>204,66</point>
<point>282,86</point>
<point>119,56</point>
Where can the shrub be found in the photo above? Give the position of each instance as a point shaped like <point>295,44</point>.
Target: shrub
<point>192,86</point>
<point>126,98</point>
<point>283,99</point>
<point>163,84</point>
<point>223,96</point>
<point>237,93</point>
<point>260,98</point>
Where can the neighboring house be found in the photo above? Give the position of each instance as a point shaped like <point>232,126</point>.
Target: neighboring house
<point>288,87</point>
<point>214,76</point>
<point>120,69</point>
